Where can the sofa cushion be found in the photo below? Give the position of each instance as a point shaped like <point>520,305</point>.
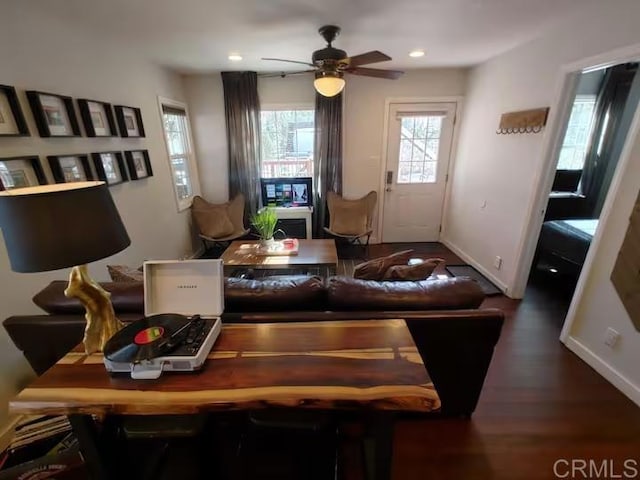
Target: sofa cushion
<point>376,268</point>
<point>287,292</point>
<point>126,297</point>
<point>124,273</point>
<point>417,271</point>
<point>354,294</point>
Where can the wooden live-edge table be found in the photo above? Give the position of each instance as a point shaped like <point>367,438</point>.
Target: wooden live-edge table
<point>357,365</point>
<point>311,253</point>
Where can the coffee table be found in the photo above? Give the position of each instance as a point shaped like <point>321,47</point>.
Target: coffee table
<point>369,368</point>
<point>319,253</point>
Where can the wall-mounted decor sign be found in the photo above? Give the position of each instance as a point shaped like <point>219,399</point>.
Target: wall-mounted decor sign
<point>12,122</point>
<point>139,164</point>
<point>97,118</point>
<point>70,168</point>
<point>524,121</point>
<point>110,167</point>
<point>129,121</point>
<point>21,172</point>
<point>625,277</point>
<point>54,114</point>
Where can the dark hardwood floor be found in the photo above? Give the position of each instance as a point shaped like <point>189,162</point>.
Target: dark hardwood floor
<point>540,402</point>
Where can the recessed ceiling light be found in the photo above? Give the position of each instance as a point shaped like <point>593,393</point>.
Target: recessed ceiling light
<point>416,53</point>
<point>234,57</point>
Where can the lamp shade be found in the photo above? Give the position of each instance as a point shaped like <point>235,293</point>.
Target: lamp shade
<point>57,226</point>
<point>328,84</point>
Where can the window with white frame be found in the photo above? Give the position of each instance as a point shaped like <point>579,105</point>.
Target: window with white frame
<point>287,141</point>
<point>175,122</point>
<point>578,135</point>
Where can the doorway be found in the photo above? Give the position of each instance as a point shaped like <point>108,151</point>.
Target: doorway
<point>594,135</point>
<point>419,140</point>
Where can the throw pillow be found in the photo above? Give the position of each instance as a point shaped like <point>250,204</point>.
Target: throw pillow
<point>419,271</point>
<point>376,268</point>
<point>212,220</point>
<point>123,273</point>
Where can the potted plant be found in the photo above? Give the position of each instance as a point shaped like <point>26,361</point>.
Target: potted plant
<point>264,221</point>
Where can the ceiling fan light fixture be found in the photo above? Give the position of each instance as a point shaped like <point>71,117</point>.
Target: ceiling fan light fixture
<point>329,84</point>
<point>235,57</point>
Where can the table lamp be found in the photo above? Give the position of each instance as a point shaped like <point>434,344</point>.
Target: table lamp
<point>67,225</point>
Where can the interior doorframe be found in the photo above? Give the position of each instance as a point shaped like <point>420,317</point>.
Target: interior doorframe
<point>455,99</point>
<point>537,207</point>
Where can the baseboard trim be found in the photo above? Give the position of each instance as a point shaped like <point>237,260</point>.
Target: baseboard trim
<point>475,264</point>
<point>609,373</point>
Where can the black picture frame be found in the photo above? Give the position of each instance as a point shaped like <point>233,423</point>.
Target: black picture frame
<point>58,170</point>
<point>41,115</point>
<point>89,124</point>
<point>102,173</point>
<point>34,163</point>
<point>122,122</point>
<point>131,164</point>
<point>11,95</point>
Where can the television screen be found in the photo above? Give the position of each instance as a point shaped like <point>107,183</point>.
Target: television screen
<point>287,192</point>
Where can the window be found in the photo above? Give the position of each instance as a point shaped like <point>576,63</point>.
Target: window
<point>419,145</point>
<point>287,138</point>
<point>181,159</point>
<point>578,135</point>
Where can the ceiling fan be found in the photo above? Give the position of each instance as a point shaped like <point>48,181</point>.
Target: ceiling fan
<point>330,64</point>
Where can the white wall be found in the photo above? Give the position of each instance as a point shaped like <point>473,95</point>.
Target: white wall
<point>503,170</point>
<point>41,54</point>
<point>363,119</point>
<point>598,306</point>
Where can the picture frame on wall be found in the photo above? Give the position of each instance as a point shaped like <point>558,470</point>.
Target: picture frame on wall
<point>110,167</point>
<point>54,114</point>
<point>129,121</point>
<point>139,164</point>
<point>70,168</point>
<point>21,172</point>
<point>98,118</point>
<point>12,121</point>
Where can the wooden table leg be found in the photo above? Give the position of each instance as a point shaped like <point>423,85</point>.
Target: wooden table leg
<point>379,449</point>
<point>95,450</point>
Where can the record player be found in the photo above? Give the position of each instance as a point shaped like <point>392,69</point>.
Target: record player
<point>183,304</point>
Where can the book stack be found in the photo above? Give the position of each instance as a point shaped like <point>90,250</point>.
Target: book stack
<point>41,445</point>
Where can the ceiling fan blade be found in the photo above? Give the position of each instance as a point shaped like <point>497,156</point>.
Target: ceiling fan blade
<point>284,74</point>
<point>289,61</point>
<point>374,72</point>
<point>366,58</point>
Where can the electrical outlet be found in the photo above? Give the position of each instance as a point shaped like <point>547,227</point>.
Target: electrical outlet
<point>611,337</point>
<point>497,263</point>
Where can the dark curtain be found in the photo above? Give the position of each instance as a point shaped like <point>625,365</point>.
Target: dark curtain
<point>327,167</point>
<point>610,104</point>
<point>242,112</point>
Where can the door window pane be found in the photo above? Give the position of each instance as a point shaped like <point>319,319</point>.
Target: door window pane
<point>419,148</point>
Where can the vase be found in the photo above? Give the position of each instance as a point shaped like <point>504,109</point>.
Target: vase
<point>267,242</point>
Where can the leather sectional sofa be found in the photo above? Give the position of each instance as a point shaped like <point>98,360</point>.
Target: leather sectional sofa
<point>455,339</point>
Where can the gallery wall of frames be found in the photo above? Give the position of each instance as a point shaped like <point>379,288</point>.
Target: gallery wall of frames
<point>55,116</point>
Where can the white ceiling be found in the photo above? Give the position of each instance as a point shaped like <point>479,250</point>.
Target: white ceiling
<point>198,35</point>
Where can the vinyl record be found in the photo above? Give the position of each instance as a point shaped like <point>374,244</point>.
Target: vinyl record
<point>140,339</point>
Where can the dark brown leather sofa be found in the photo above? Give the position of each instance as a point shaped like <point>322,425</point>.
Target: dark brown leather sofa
<point>454,338</point>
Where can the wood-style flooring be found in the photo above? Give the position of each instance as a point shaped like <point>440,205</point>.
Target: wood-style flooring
<point>540,403</point>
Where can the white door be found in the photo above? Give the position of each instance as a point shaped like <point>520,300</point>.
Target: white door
<point>418,148</point>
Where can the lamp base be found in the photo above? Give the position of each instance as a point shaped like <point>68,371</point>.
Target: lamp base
<point>102,323</point>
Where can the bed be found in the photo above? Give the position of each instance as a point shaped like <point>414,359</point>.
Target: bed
<point>566,241</point>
